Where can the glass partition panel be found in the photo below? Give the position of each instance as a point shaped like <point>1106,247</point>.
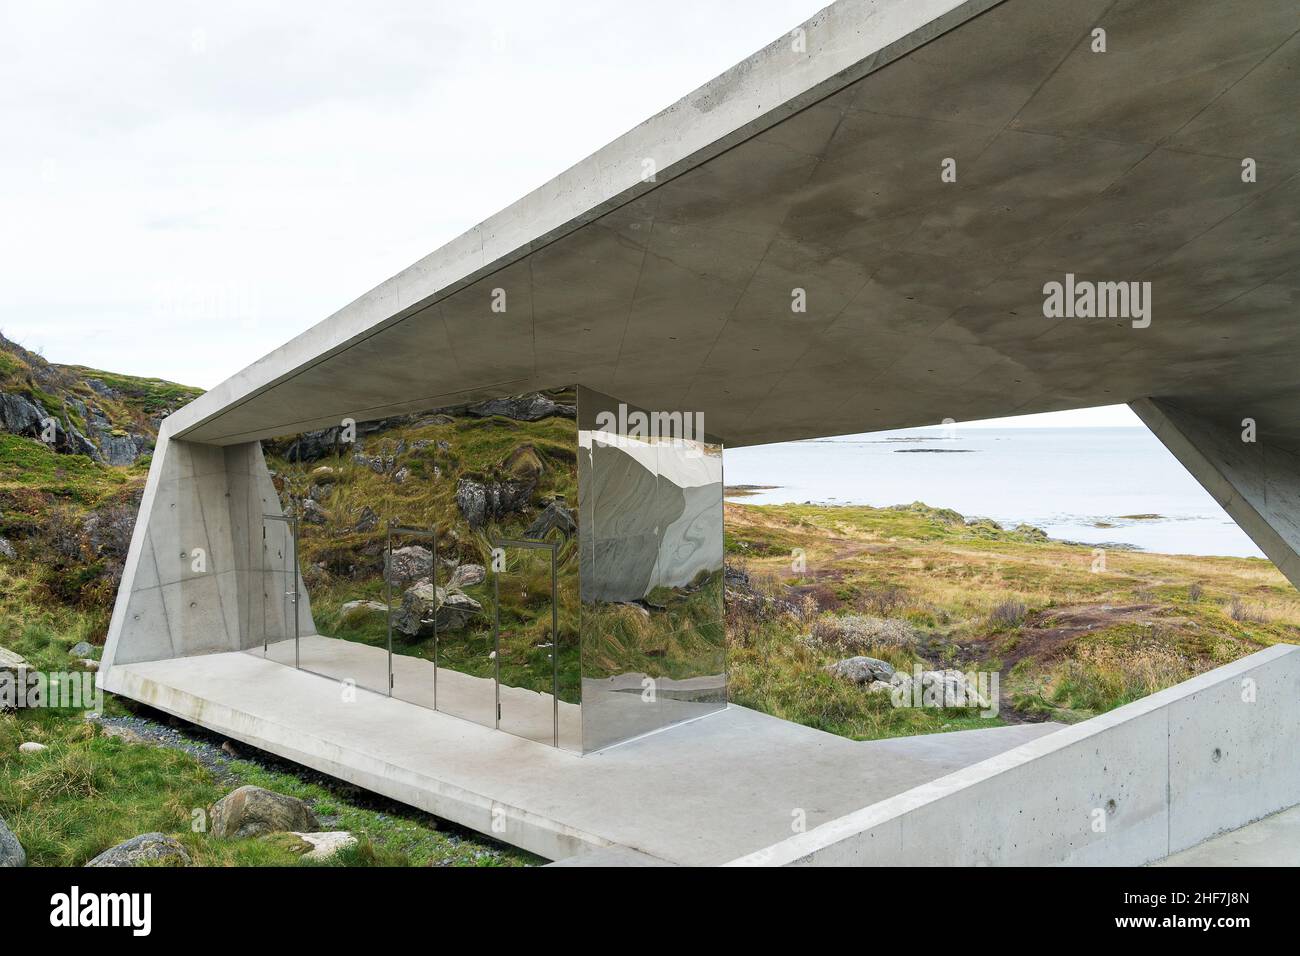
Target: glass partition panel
<point>278,574</point>
<point>414,599</point>
<point>526,617</point>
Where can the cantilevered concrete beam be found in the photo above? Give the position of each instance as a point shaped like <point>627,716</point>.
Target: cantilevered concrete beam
<point>1258,484</point>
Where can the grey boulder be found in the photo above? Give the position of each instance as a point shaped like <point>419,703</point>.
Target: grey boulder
<point>425,608</point>
<point>861,670</point>
<point>312,513</point>
<point>404,565</point>
<point>252,811</point>
<point>466,575</point>
<point>481,501</point>
<point>368,520</point>
<point>11,851</point>
<point>146,848</point>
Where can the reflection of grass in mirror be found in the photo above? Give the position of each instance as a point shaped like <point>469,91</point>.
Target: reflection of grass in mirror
<point>680,630</point>
<point>341,563</point>
<point>525,623</point>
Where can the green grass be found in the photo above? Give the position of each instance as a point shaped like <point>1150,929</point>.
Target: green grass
<point>983,598</point>
<point>26,463</point>
<point>772,671</point>
<point>89,792</point>
<point>149,395</point>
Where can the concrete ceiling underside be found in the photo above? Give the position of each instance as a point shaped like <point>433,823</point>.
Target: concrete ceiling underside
<point>924,298</point>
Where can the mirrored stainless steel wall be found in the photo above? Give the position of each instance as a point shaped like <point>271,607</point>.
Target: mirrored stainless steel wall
<point>458,573</point>
<point>650,505</point>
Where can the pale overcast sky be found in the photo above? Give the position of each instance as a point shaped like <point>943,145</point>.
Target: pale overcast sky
<point>187,185</point>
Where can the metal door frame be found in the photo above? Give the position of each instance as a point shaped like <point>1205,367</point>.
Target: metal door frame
<point>410,531</point>
<point>292,522</point>
<point>555,630</point>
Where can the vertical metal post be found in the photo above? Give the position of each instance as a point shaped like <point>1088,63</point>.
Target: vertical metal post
<point>293,527</point>
<point>388,596</point>
<point>261,582</point>
<point>555,656</point>
<point>433,533</point>
<point>496,644</point>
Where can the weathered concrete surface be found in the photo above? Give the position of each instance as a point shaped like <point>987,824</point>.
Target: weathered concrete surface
<point>193,582</point>
<point>702,793</point>
<point>816,165</point>
<point>1128,787</point>
<point>1255,482</point>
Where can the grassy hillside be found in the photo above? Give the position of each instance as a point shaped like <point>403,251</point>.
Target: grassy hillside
<point>408,473</point>
<point>68,520</point>
<point>920,585</point>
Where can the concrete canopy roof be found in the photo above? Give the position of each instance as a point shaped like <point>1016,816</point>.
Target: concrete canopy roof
<point>818,167</point>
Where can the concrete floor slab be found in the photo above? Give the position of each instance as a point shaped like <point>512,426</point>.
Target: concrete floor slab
<point>524,712</point>
<point>1273,841</point>
<point>701,793</point>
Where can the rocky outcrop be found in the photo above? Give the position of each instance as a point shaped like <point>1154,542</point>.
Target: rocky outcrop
<point>426,609</point>
<point>368,520</point>
<point>252,811</point>
<point>7,550</point>
<point>151,848</point>
<point>861,670</point>
<point>524,408</point>
<point>21,416</point>
<point>11,851</point>
<point>483,501</point>
<point>313,446</point>
<point>404,566</point>
<point>312,513</point>
<point>379,464</point>
<point>118,446</point>
<point>554,516</point>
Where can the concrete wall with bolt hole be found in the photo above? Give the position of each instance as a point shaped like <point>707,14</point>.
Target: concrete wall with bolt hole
<point>198,578</point>
<point>1154,777</point>
<point>1255,482</point>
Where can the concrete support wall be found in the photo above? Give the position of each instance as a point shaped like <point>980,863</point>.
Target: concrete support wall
<point>195,580</point>
<point>1257,484</point>
<point>1126,788</point>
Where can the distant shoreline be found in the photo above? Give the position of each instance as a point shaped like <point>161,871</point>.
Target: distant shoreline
<point>745,491</point>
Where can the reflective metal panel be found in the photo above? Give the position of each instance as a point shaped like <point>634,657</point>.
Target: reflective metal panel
<point>529,649</point>
<point>652,616</point>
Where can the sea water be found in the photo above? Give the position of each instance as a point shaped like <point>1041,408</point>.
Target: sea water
<point>1092,485</point>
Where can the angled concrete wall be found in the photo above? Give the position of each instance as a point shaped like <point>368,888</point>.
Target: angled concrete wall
<point>1256,483</point>
<point>1126,788</point>
<point>194,579</point>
